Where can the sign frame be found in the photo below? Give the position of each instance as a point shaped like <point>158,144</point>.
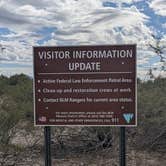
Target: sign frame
<point>113,125</point>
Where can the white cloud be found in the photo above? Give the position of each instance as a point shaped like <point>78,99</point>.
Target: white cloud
<point>9,71</point>
<point>28,10</point>
<point>75,22</point>
<point>122,1</point>
<point>159,7</point>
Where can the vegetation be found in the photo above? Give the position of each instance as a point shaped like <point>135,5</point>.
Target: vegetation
<point>16,104</point>
<point>151,131</point>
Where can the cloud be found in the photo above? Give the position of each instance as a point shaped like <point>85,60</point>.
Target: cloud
<point>74,22</point>
<point>8,18</point>
<point>103,25</point>
<point>122,1</point>
<point>19,17</point>
<point>28,10</point>
<point>9,71</point>
<point>159,7</point>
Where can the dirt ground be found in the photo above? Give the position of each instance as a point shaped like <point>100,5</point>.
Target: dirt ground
<point>107,159</point>
<point>98,158</point>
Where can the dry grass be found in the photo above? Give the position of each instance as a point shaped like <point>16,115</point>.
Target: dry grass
<point>134,158</point>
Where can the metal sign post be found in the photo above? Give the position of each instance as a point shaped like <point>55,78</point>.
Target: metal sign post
<point>122,147</point>
<point>47,135</point>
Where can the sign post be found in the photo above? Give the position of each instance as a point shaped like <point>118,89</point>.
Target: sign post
<point>47,135</point>
<point>122,147</point>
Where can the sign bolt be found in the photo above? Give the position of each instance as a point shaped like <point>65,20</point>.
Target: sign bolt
<point>122,107</point>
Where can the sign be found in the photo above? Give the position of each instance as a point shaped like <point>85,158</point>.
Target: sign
<point>85,85</point>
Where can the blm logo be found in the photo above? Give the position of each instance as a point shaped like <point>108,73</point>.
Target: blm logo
<point>128,117</point>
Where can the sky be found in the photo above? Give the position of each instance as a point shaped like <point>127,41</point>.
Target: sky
<point>28,23</point>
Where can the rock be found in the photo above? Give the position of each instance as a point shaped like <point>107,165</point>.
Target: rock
<point>26,138</point>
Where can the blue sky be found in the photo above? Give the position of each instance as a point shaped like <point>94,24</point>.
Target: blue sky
<point>28,23</point>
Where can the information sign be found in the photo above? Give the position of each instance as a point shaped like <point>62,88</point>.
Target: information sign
<point>85,85</point>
